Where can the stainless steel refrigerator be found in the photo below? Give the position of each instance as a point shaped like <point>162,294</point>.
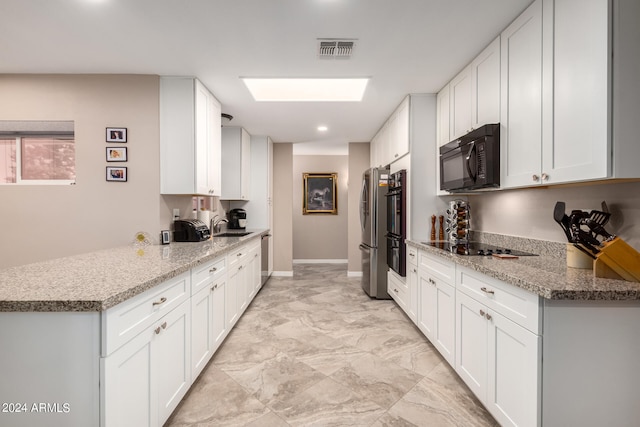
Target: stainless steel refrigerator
<point>373,220</point>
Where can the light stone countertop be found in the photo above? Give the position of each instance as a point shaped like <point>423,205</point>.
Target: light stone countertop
<point>99,280</point>
<point>546,275</point>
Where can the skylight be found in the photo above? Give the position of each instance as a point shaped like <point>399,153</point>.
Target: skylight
<point>306,89</point>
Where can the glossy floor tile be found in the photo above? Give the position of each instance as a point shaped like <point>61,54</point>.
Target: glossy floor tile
<point>315,350</point>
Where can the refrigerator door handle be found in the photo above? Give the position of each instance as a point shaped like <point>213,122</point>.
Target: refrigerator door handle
<point>362,203</point>
<point>363,247</point>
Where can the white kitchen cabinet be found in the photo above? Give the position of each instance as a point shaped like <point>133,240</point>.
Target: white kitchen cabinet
<point>498,347</point>
<point>208,323</point>
<point>412,283</point>
<point>244,279</point>
<point>460,103</point>
<point>392,141</point>
<point>190,139</point>
<point>521,106</point>
<point>145,379</point>
<point>398,290</point>
<point>566,99</point>
<point>443,111</point>
<point>236,164</point>
<point>485,86</point>
<point>436,309</point>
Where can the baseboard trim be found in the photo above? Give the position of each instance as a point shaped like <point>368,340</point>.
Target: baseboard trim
<point>282,274</point>
<point>354,273</point>
<point>320,261</point>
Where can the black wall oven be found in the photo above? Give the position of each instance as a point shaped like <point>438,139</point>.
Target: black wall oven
<point>396,222</point>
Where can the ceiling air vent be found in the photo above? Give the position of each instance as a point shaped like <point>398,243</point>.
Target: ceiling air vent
<point>334,48</point>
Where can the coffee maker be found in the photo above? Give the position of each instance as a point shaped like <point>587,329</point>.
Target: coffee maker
<point>237,219</point>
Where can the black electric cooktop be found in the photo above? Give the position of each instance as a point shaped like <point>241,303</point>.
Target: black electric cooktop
<point>476,248</point>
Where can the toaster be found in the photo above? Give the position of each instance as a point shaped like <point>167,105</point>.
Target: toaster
<point>190,230</point>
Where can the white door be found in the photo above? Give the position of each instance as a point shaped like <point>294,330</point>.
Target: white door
<point>218,312</point>
<point>460,98</point>
<point>445,332</point>
<point>580,146</point>
<point>521,106</point>
<point>171,361</point>
<point>471,344</point>
<point>513,394</point>
<point>202,143</point>
<point>201,329</point>
<point>427,314</point>
<point>130,394</point>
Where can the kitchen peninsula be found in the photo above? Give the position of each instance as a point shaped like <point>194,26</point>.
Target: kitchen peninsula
<point>116,337</point>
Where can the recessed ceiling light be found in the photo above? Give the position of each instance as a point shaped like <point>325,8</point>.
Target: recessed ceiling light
<point>323,128</point>
<point>306,89</point>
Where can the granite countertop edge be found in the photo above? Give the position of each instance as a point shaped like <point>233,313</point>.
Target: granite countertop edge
<point>171,261</point>
<point>546,276</point>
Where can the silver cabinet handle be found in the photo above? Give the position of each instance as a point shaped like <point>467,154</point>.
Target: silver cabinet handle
<point>482,313</point>
<point>395,290</point>
<point>213,270</point>
<point>239,254</point>
<point>488,316</point>
<point>162,301</point>
<point>415,271</point>
<point>157,330</point>
<point>545,177</point>
<point>214,287</point>
<point>164,325</point>
<point>487,291</point>
<point>535,178</point>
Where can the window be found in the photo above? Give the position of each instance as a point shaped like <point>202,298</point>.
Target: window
<point>37,152</point>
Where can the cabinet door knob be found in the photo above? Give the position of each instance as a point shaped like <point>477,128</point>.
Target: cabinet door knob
<point>162,301</point>
<point>164,325</point>
<point>545,177</point>
<point>487,291</point>
<point>535,178</point>
<point>482,313</point>
<point>488,316</point>
<point>157,330</point>
<point>395,290</point>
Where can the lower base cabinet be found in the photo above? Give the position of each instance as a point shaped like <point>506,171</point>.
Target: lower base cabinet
<point>145,379</point>
<point>436,315</point>
<point>499,361</point>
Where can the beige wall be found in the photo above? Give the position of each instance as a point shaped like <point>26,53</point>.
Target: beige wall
<point>282,214</point>
<point>358,163</point>
<point>43,222</point>
<point>320,236</point>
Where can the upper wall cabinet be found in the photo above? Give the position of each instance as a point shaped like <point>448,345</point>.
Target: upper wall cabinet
<point>236,163</point>
<point>576,122</point>
<point>392,140</point>
<point>473,96</point>
<point>521,121</point>
<point>442,111</point>
<point>189,138</point>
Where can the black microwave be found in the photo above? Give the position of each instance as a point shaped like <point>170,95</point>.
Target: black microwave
<point>472,161</point>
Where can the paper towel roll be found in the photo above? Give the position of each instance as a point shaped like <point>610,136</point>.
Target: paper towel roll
<point>204,216</point>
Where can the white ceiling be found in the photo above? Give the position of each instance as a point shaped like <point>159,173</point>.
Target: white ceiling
<point>404,46</point>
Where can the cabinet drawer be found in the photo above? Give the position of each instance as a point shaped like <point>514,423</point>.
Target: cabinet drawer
<point>412,255</point>
<point>437,267</point>
<point>237,255</point>
<point>206,273</point>
<point>398,290</point>
<point>127,319</point>
<point>518,305</point>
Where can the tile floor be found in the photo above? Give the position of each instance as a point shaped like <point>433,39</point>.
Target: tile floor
<point>314,350</point>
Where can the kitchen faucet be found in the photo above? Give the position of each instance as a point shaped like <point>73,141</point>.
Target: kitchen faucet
<point>215,223</point>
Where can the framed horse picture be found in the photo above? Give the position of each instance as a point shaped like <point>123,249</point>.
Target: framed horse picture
<point>320,193</point>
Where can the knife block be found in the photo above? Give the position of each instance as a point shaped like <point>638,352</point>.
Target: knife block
<point>617,260</point>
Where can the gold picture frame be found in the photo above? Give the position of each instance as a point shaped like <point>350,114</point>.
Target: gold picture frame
<point>320,193</point>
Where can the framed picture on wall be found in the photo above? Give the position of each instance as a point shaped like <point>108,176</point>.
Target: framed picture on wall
<point>116,154</point>
<point>116,134</point>
<point>320,193</point>
<point>116,174</point>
